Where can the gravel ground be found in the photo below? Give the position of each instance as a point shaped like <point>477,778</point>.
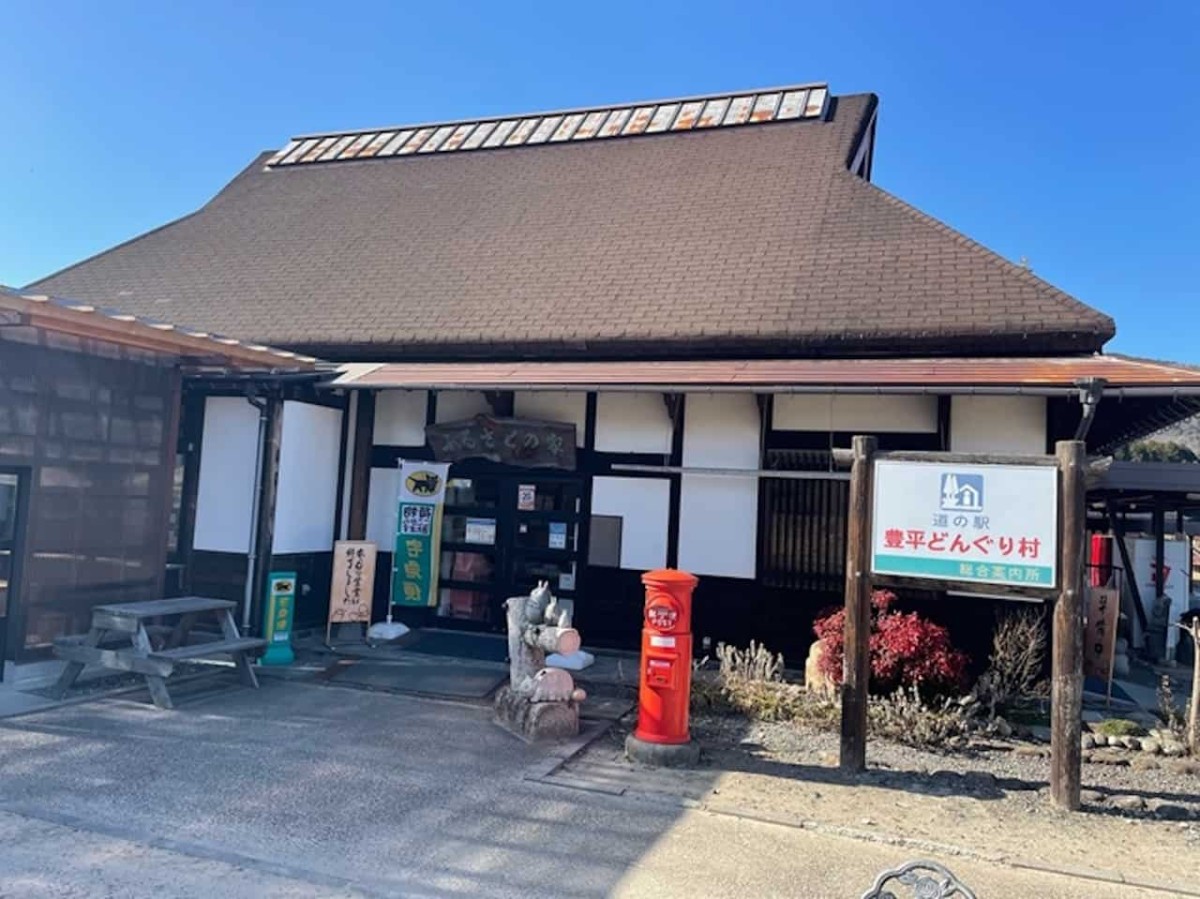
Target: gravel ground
<point>1170,789</point>
<point>990,801</point>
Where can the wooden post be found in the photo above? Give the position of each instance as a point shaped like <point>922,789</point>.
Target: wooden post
<point>1066,698</point>
<point>360,465</point>
<point>856,670</point>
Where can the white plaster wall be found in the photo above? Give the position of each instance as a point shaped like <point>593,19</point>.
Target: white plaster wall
<point>632,423</point>
<point>400,417</point>
<point>851,412</point>
<point>455,405</point>
<point>308,485</point>
<point>554,405</point>
<point>718,526</point>
<point>381,507</point>
<point>225,497</point>
<point>998,424</point>
<point>644,505</point>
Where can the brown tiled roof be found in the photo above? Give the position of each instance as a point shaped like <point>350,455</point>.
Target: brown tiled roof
<point>740,241</point>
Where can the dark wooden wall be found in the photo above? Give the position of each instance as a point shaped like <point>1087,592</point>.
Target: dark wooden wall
<point>95,434</point>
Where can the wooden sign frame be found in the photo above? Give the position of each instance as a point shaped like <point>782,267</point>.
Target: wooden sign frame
<point>345,556</point>
<point>1066,700</point>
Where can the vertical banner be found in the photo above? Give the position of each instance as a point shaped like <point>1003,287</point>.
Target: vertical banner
<point>352,587</point>
<point>281,612</point>
<point>418,533</point>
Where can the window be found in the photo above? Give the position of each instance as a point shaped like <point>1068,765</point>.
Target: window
<point>604,551</point>
<point>802,525</point>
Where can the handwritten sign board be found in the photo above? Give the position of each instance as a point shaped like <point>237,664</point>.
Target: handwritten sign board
<point>1100,638</point>
<point>353,586</point>
<point>512,441</point>
<point>985,524</point>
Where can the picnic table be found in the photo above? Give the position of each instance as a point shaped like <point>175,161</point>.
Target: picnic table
<point>121,639</point>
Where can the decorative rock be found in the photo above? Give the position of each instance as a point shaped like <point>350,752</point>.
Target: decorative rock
<point>1002,728</point>
<point>1174,748</point>
<point>1151,745</point>
<point>1108,757</point>
<point>1131,742</point>
<point>1128,803</point>
<point>1087,741</point>
<point>1040,732</point>
<point>1037,752</point>
<point>1094,797</point>
<point>815,681</point>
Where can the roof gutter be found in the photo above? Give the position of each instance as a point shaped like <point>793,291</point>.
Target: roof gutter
<point>847,389</point>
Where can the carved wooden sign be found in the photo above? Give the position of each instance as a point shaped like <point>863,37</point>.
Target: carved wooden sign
<point>512,441</point>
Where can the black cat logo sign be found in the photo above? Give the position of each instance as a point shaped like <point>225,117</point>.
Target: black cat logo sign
<point>423,483</point>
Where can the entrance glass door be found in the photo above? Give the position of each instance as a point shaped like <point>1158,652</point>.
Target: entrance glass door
<point>501,534</point>
<point>10,532</point>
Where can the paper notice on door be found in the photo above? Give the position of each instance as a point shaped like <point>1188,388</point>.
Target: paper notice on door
<point>558,535</point>
<point>481,530</point>
<point>526,497</point>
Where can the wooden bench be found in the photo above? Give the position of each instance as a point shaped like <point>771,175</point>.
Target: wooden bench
<point>120,640</point>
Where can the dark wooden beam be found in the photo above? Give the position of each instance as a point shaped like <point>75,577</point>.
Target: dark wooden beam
<point>360,466</point>
<point>856,670</point>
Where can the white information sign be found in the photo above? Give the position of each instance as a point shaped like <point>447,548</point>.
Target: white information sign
<point>987,524</point>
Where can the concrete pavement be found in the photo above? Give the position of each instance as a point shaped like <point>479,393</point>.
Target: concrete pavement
<point>300,790</point>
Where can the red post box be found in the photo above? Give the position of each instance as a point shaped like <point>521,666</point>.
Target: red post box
<point>665,685</point>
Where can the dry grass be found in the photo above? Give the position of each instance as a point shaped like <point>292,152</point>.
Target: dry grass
<point>750,683</point>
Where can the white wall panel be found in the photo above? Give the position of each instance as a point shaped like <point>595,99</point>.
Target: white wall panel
<point>308,470</point>
<point>998,424</point>
<point>456,405</point>
<point>553,405</point>
<point>225,497</point>
<point>400,418</point>
<point>718,526</point>
<point>381,507</point>
<point>852,412</point>
<point>632,423</point>
<point>644,506</point>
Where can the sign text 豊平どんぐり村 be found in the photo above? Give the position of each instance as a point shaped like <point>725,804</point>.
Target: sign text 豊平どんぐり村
<point>987,524</point>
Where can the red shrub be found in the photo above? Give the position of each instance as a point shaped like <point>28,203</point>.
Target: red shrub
<point>906,649</point>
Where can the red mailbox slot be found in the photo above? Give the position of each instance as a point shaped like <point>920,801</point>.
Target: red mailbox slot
<point>666,683</point>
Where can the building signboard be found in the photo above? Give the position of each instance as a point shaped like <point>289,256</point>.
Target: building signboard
<point>985,524</point>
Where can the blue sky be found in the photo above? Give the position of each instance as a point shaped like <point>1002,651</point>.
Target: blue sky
<point>1064,133</point>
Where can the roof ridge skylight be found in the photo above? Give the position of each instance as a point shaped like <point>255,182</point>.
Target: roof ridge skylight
<point>808,101</point>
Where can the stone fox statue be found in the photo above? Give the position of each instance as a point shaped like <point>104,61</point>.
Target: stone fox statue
<point>539,701</point>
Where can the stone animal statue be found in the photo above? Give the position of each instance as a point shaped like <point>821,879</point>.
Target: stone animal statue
<point>539,702</point>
